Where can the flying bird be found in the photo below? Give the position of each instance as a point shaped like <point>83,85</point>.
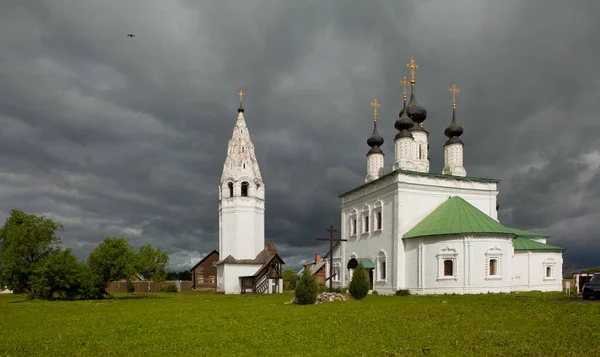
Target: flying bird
<point>131,35</point>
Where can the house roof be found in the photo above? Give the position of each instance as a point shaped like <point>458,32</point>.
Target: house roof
<point>430,174</point>
<point>313,269</point>
<point>265,257</point>
<point>526,244</point>
<point>456,216</point>
<point>203,259</point>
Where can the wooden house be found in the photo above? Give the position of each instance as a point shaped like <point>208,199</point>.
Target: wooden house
<point>204,273</point>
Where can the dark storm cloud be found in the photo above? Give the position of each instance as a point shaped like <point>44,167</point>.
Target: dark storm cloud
<point>127,137</point>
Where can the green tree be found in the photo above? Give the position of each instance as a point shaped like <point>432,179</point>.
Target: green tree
<point>290,278</point>
<point>359,285</point>
<point>306,289</point>
<point>60,272</point>
<point>112,260</point>
<point>151,263</point>
<point>26,240</point>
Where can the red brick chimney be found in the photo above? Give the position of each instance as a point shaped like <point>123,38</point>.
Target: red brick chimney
<point>317,258</point>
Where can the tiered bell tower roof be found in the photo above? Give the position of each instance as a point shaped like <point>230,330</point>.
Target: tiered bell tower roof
<point>241,161</point>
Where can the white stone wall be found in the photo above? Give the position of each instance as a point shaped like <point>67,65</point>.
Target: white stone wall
<point>375,165</point>
<point>453,160</point>
<point>530,271</point>
<point>228,276</point>
<point>242,232</point>
<point>369,244</point>
<point>470,256</point>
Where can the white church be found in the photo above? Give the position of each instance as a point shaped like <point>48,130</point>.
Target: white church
<point>248,264</point>
<point>435,233</point>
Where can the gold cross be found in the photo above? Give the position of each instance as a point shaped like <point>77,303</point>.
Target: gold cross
<point>454,92</point>
<point>404,83</point>
<point>241,94</point>
<point>412,65</point>
<point>375,105</point>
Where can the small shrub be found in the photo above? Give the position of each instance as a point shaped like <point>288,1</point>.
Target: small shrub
<point>375,293</point>
<point>359,285</point>
<point>307,289</point>
<point>404,292</point>
<point>130,287</point>
<point>170,288</point>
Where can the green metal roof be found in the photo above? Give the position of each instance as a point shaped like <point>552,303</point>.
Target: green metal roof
<point>466,178</point>
<point>456,216</point>
<point>527,244</point>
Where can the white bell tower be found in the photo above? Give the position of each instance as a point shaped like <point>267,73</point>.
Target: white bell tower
<point>241,197</point>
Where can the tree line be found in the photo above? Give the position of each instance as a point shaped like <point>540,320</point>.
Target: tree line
<point>32,261</point>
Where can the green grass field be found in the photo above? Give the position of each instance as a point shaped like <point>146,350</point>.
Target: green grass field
<point>209,324</point>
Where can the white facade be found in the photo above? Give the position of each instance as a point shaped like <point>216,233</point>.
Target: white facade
<point>453,160</point>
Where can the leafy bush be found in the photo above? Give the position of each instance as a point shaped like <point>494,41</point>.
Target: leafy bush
<point>307,289</point>
<point>289,279</point>
<point>404,292</point>
<point>130,287</point>
<point>375,293</point>
<point>359,285</point>
<point>170,288</point>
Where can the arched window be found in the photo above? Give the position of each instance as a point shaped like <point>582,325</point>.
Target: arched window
<point>245,189</point>
<point>381,259</point>
<point>448,267</point>
<point>548,272</point>
<point>230,185</point>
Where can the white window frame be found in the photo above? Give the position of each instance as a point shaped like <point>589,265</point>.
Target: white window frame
<point>494,253</point>
<point>447,254</point>
<point>549,263</point>
<point>377,210</point>
<point>365,220</point>
<point>382,260</point>
<point>353,226</point>
<point>337,271</point>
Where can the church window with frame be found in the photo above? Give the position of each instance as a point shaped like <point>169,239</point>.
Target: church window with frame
<point>549,269</point>
<point>493,260</point>
<point>366,224</point>
<point>447,260</point>
<point>336,272</point>
<point>230,186</point>
<point>245,188</point>
<point>378,216</point>
<point>382,265</point>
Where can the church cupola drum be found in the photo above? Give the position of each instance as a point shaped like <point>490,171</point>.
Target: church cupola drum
<point>375,157</point>
<point>454,147</point>
<point>404,142</point>
<point>241,196</point>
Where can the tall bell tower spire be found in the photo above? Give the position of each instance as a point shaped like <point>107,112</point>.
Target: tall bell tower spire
<point>241,196</point>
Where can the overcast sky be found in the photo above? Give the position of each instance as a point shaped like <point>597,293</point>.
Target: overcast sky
<point>119,136</point>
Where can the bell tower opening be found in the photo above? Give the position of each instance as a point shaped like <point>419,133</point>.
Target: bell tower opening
<point>245,189</point>
<point>230,185</point>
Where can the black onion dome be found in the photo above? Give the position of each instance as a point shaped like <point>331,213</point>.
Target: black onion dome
<point>454,130</point>
<point>403,124</point>
<point>375,141</point>
<point>417,113</point>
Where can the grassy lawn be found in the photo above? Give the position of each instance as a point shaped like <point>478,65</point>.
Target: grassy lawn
<point>208,324</point>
